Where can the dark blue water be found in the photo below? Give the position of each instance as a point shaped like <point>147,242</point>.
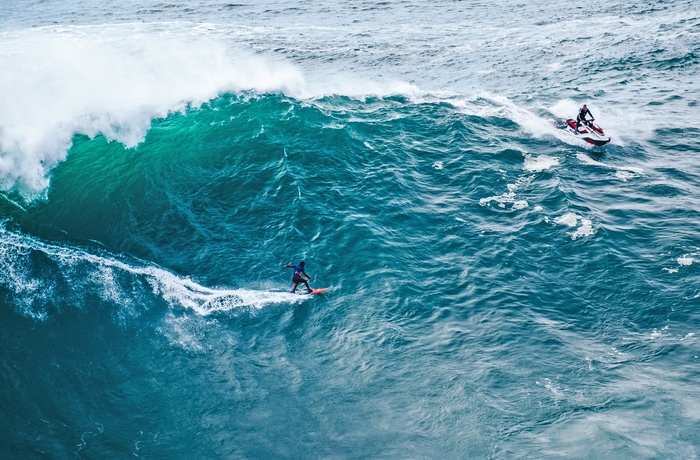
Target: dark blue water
<point>497,288</point>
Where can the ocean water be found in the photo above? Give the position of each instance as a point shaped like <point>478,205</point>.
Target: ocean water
<point>497,289</point>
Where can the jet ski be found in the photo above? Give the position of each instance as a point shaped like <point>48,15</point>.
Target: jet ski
<point>587,131</point>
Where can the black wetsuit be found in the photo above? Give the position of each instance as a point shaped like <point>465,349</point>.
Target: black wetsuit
<point>582,116</point>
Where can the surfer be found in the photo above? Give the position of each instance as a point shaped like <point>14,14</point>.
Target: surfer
<point>299,272</point>
<point>581,117</point>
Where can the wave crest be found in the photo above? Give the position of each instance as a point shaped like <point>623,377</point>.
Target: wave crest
<point>59,82</point>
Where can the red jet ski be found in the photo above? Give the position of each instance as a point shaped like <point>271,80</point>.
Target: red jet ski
<point>587,131</point>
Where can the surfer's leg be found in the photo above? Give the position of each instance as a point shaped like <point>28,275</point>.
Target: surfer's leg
<point>296,280</point>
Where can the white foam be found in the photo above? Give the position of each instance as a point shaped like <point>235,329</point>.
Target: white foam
<point>531,120</point>
<point>571,219</point>
<point>622,123</point>
<point>110,80</point>
<point>566,108</point>
<point>358,87</point>
<point>655,333</point>
<point>114,281</point>
<point>115,79</point>
<point>685,261</point>
<point>528,119</point>
<point>540,163</point>
<point>520,204</point>
<point>586,229</point>
<point>689,258</point>
<point>508,198</point>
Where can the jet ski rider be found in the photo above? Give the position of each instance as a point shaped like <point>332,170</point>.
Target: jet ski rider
<point>582,112</point>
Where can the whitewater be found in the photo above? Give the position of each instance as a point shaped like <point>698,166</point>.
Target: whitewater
<point>497,288</point>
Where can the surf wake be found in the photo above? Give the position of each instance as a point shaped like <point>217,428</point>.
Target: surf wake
<point>39,276</point>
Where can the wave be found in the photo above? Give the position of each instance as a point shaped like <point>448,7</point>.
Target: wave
<point>117,81</point>
<point>59,82</point>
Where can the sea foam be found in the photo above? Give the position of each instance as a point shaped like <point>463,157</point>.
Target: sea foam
<point>109,80</point>
<point>117,282</point>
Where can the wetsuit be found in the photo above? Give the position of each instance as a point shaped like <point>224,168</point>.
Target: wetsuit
<point>582,116</point>
<point>297,277</point>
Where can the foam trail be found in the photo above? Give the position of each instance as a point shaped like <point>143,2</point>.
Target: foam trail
<point>113,280</point>
<point>489,105</point>
<point>620,123</point>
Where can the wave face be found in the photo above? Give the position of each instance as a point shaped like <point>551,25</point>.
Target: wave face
<point>496,287</point>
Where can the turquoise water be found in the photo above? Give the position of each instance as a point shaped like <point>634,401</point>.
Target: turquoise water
<point>496,288</point>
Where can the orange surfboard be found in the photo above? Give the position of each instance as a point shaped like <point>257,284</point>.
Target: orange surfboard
<point>318,291</point>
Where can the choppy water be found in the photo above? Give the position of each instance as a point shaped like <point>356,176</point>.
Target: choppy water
<point>497,289</point>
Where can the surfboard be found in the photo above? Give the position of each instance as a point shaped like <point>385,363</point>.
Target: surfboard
<point>313,292</point>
